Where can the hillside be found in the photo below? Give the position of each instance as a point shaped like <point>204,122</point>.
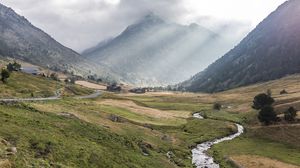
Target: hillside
<point>73,132</point>
<point>21,40</point>
<point>156,52</point>
<point>142,130</point>
<point>269,52</point>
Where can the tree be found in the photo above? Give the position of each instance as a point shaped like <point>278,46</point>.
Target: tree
<point>267,115</point>
<point>217,106</point>
<point>290,114</point>
<point>262,100</point>
<point>4,75</point>
<point>13,67</point>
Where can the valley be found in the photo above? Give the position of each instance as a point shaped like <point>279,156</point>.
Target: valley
<point>148,130</point>
<point>167,85</point>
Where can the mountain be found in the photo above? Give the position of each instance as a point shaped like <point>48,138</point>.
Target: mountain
<point>156,52</point>
<point>19,39</point>
<point>270,51</point>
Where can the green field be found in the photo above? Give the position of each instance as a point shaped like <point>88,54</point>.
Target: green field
<point>73,132</point>
<point>21,85</point>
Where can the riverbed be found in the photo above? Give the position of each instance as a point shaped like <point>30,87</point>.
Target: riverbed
<point>200,157</point>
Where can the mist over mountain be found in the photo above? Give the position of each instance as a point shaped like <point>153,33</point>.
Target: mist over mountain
<point>157,52</point>
<point>19,39</point>
<point>270,51</point>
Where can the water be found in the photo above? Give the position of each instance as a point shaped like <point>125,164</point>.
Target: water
<point>197,115</point>
<point>200,157</point>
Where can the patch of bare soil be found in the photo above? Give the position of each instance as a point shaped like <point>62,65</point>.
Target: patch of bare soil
<point>130,105</point>
<point>248,161</point>
<point>5,164</point>
<point>91,85</point>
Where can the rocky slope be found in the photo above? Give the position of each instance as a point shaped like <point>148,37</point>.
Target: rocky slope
<point>19,39</point>
<point>156,52</point>
<point>270,51</point>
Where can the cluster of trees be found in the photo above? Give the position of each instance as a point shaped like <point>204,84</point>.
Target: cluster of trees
<point>263,102</point>
<point>13,67</point>
<point>5,72</point>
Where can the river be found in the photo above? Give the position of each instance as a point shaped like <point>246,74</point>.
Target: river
<point>200,157</point>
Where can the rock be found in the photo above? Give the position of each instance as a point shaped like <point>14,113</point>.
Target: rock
<point>12,150</point>
<point>166,138</point>
<point>4,142</point>
<point>115,118</point>
<point>68,115</point>
<point>170,154</point>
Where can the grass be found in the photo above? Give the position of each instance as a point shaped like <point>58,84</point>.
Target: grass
<point>122,112</point>
<point>87,107</point>
<point>87,137</point>
<point>164,135</point>
<point>288,135</point>
<point>48,140</point>
<point>170,103</point>
<point>76,90</point>
<point>197,131</point>
<point>255,146</point>
<point>224,115</point>
<point>22,85</point>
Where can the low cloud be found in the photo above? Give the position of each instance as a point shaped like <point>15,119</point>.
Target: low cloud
<point>80,24</point>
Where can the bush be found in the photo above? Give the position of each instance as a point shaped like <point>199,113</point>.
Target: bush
<point>41,149</point>
<point>262,100</point>
<point>13,67</point>
<point>290,114</point>
<point>267,115</point>
<point>4,75</point>
<point>54,76</point>
<point>283,92</point>
<point>217,106</point>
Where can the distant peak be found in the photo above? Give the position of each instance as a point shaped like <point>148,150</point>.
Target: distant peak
<point>151,17</point>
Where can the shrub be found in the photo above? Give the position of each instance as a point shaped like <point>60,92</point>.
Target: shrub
<point>13,67</point>
<point>217,106</point>
<point>4,75</point>
<point>262,100</point>
<point>42,149</point>
<point>267,115</point>
<point>290,114</point>
<point>283,92</point>
<point>54,76</point>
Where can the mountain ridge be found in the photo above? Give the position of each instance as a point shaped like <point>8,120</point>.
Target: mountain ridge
<point>269,52</point>
<point>153,51</point>
<point>20,39</point>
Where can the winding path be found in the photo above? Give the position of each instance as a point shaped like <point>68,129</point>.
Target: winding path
<point>56,97</point>
<point>91,96</point>
<point>200,157</point>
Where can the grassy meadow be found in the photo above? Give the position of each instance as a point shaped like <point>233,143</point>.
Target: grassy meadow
<point>129,130</point>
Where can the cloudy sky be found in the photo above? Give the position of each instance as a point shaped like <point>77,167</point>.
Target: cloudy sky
<point>80,24</point>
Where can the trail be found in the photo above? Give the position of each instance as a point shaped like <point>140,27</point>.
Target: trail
<point>56,97</point>
<point>200,157</point>
<point>91,96</point>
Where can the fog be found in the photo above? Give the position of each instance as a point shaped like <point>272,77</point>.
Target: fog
<point>81,24</point>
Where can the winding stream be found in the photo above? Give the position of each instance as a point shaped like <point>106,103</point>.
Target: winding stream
<point>200,158</point>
